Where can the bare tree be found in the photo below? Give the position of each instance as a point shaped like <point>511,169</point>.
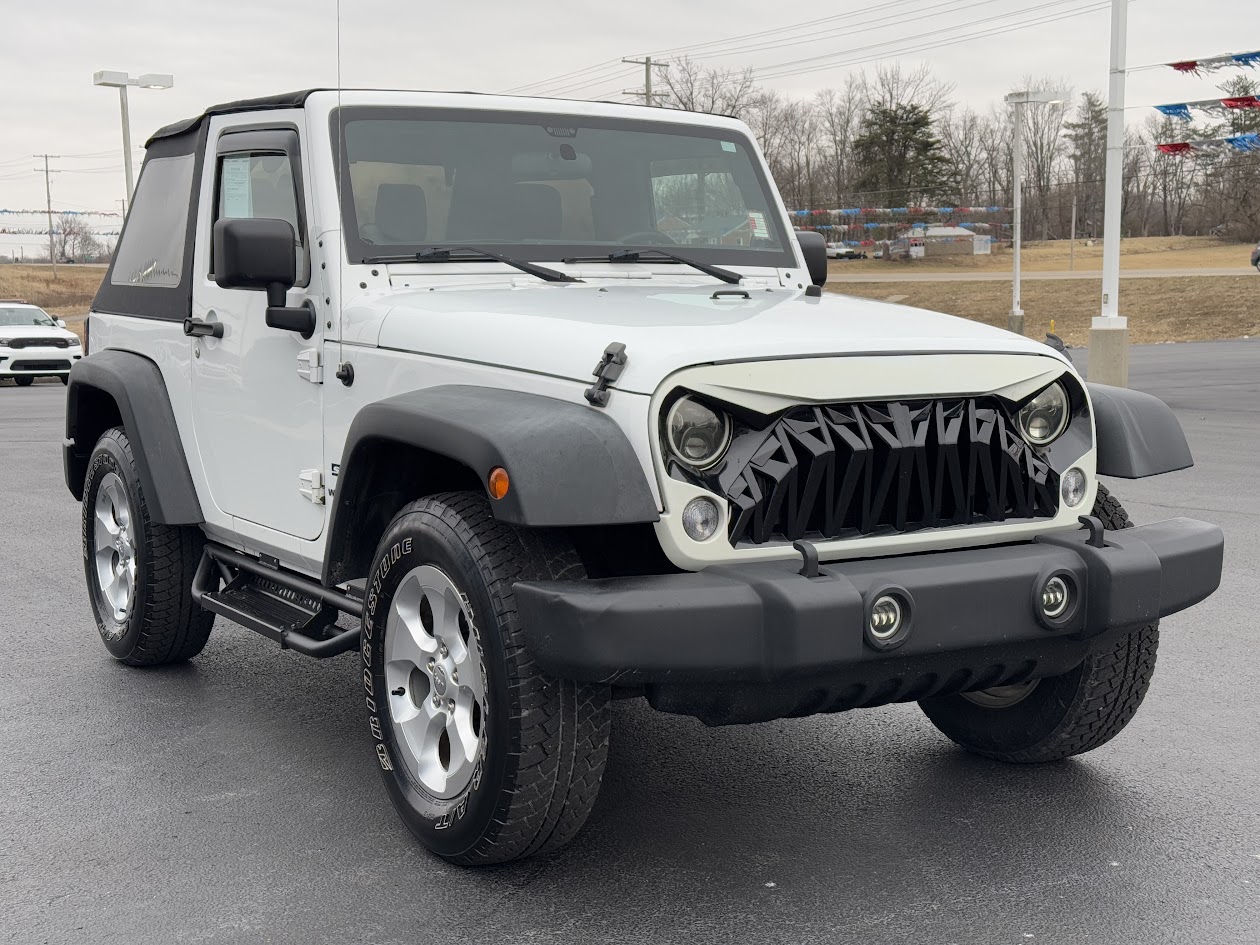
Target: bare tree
<point>692,87</point>
<point>960,135</point>
<point>891,86</point>
<point>839,115</point>
<point>1043,146</point>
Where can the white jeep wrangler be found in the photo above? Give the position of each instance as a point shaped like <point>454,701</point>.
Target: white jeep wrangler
<point>544,400</point>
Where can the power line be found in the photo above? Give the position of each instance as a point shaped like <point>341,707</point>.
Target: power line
<point>782,69</point>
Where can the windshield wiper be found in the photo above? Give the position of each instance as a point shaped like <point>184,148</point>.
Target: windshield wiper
<point>717,272</point>
<point>444,254</point>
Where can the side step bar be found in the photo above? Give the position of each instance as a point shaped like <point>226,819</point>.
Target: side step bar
<point>286,607</point>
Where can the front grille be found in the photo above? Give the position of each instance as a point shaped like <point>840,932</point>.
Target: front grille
<point>846,470</point>
<point>39,343</point>
<point>40,366</point>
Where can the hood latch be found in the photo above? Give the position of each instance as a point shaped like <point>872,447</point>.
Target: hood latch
<point>606,372</point>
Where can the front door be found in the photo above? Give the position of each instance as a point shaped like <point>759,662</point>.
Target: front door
<point>258,421</point>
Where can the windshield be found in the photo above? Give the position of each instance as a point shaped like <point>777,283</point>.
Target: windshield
<point>24,315</point>
<point>552,187</point>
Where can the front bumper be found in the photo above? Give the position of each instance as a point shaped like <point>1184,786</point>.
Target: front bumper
<point>974,620</point>
<point>38,362</point>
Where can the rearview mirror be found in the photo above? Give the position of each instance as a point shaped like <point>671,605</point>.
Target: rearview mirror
<point>814,249</point>
<point>255,254</point>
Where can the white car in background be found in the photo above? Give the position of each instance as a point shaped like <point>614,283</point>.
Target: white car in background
<point>34,344</point>
<point>841,251</point>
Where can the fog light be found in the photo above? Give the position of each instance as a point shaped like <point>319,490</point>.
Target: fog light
<point>885,619</point>
<point>1055,598</point>
<point>1073,487</point>
<point>700,518</point>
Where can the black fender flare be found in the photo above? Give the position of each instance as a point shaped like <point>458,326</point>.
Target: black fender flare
<point>568,464</point>
<point>1138,435</point>
<point>137,390</point>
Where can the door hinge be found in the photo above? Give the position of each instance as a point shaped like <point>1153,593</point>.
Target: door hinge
<point>310,366</point>
<point>311,485</point>
<point>606,372</point>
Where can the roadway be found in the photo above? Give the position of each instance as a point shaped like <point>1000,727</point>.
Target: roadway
<point>897,273</point>
<point>235,799</point>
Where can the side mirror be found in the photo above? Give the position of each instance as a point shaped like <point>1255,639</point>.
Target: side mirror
<point>814,249</point>
<point>259,254</point>
<point>61,323</point>
<point>255,254</point>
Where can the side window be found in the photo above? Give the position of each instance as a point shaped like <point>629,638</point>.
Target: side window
<point>151,252</point>
<point>258,185</point>
<point>261,185</point>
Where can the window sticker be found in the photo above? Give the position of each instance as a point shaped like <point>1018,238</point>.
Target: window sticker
<point>728,146</point>
<point>237,193</point>
<point>757,220</point>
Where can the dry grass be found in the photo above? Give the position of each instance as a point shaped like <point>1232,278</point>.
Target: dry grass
<point>1156,252</point>
<point>68,296</point>
<point>1161,309</point>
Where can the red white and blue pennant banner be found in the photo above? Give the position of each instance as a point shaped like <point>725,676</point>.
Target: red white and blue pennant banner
<point>1246,60</point>
<point>1210,106</point>
<point>1244,143</point>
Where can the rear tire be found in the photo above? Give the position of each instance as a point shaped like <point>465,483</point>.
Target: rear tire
<point>139,572</point>
<point>1054,718</point>
<point>23,380</point>
<point>485,758</point>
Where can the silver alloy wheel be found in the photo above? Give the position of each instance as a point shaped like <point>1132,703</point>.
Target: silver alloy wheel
<point>436,681</point>
<point>114,551</point>
<point>1002,697</point>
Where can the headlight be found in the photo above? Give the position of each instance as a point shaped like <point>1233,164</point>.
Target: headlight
<point>697,435</point>
<point>1044,418</point>
<point>4,342</point>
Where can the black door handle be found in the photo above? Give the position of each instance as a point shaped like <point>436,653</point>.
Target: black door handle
<point>197,328</point>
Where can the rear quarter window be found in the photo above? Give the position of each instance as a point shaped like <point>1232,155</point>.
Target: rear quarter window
<point>151,252</point>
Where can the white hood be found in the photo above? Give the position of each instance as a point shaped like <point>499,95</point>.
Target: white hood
<point>562,330</point>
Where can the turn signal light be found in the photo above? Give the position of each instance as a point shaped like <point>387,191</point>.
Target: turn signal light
<point>497,482</point>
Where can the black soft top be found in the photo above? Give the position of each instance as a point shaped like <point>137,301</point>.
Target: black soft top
<point>282,100</point>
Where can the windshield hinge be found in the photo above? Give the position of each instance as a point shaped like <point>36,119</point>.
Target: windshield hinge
<point>606,372</point>
<point>310,366</point>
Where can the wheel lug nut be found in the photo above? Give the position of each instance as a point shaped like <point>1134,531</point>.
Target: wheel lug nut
<point>432,663</point>
<point>450,704</point>
<point>454,675</point>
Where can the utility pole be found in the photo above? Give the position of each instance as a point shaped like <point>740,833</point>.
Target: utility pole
<point>1109,332</point>
<point>1072,242</point>
<point>648,65</point>
<point>52,255</point>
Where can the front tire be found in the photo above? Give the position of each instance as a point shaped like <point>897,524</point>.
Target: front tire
<point>139,572</point>
<point>485,758</point>
<point>23,380</point>
<point>1054,718</point>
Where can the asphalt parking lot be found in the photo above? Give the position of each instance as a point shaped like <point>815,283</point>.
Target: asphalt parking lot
<point>236,799</point>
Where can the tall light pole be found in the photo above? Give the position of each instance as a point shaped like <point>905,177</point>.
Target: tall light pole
<point>1017,101</point>
<point>1109,332</point>
<point>120,81</point>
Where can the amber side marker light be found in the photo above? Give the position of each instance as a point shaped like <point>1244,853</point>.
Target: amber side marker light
<point>497,482</point>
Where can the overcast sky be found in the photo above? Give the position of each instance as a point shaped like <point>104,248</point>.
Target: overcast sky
<point>227,49</point>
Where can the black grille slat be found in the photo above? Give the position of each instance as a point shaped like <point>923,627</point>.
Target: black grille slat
<point>858,469</point>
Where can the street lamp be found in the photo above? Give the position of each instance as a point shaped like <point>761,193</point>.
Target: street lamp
<point>120,81</point>
<point>1015,321</point>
